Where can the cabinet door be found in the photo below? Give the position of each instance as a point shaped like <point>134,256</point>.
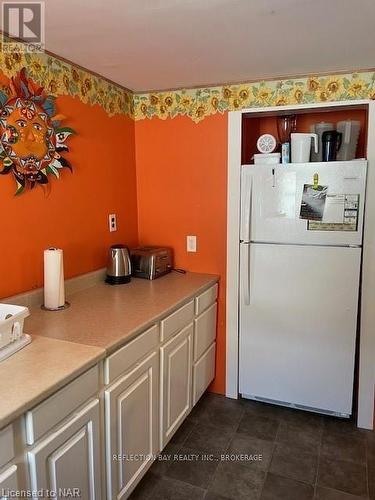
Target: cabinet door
<point>8,483</point>
<point>132,424</point>
<point>176,373</point>
<point>203,372</point>
<point>6,445</point>
<point>68,460</point>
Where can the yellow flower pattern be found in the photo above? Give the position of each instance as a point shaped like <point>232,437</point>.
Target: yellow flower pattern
<point>202,102</point>
<point>62,78</point>
<point>59,77</point>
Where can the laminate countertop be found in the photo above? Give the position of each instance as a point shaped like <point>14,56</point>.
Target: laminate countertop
<point>101,319</point>
<point>109,316</point>
<point>38,370</point>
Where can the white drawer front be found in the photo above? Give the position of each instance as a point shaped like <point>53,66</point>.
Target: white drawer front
<point>177,320</point>
<point>56,408</point>
<point>123,359</point>
<point>204,331</point>
<point>205,299</point>
<point>8,481</point>
<point>203,372</point>
<point>6,445</point>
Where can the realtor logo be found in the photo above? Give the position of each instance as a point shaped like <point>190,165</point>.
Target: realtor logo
<point>23,21</point>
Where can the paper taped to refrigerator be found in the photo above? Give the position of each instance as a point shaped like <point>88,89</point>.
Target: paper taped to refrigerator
<point>340,214</point>
<point>313,202</point>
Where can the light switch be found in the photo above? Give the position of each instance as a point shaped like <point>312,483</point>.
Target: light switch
<point>191,243</point>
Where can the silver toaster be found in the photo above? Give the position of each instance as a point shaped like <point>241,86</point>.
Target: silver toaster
<point>151,262</point>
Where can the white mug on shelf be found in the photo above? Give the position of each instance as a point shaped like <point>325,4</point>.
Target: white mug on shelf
<point>301,146</point>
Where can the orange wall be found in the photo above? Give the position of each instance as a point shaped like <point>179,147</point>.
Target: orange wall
<point>75,214</point>
<point>182,178</point>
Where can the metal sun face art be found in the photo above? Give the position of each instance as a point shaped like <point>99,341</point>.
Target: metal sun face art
<point>31,138</point>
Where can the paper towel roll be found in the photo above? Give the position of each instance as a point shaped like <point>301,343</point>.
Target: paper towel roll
<point>54,289</point>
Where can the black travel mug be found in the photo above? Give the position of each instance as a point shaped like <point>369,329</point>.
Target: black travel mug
<point>331,143</point>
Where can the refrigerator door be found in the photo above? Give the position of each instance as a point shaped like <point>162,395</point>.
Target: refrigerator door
<point>298,321</point>
<point>275,199</point>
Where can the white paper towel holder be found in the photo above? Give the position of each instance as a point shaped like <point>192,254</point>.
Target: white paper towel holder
<point>56,252</point>
<point>60,308</point>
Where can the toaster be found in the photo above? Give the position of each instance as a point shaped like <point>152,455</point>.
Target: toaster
<point>151,262</point>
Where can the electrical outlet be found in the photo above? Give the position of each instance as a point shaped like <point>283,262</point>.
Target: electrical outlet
<point>191,243</point>
<point>112,222</point>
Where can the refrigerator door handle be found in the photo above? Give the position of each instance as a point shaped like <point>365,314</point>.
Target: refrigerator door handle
<point>246,202</point>
<point>246,274</point>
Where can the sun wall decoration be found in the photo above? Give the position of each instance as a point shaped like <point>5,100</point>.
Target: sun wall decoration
<point>31,138</point>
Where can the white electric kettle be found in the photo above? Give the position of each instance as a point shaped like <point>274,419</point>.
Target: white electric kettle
<point>301,146</point>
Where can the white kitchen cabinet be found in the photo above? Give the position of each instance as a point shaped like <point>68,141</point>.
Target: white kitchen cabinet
<point>205,299</point>
<point>69,458</point>
<point>176,321</point>
<point>6,445</point>
<point>132,424</point>
<point>203,372</point>
<point>145,402</point>
<point>124,358</point>
<point>48,414</point>
<point>204,331</point>
<point>176,362</point>
<point>204,341</point>
<point>8,482</point>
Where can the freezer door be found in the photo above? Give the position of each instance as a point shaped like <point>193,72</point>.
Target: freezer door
<point>276,194</point>
<point>246,203</point>
<point>298,320</point>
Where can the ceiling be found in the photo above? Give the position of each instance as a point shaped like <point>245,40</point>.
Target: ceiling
<point>162,44</point>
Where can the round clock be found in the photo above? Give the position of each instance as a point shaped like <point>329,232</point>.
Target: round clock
<point>266,143</point>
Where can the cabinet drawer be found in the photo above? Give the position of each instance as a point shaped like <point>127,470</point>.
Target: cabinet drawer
<point>204,331</point>
<point>127,356</point>
<point>205,299</point>
<point>203,372</point>
<point>176,321</point>
<point>9,481</point>
<point>6,445</point>
<point>56,408</point>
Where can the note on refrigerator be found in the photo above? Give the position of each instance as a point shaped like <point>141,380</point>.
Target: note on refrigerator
<point>340,214</point>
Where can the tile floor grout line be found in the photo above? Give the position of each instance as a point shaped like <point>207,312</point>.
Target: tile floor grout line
<point>178,451</point>
<point>179,447</point>
<point>367,471</point>
<point>274,444</point>
<point>185,483</point>
<point>267,471</point>
<point>224,452</point>
<point>237,415</point>
<point>318,458</point>
<point>226,449</point>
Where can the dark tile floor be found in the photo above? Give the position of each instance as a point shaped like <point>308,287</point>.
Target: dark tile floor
<point>228,449</point>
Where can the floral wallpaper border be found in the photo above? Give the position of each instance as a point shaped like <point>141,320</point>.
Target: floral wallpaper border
<point>60,77</point>
<point>199,103</point>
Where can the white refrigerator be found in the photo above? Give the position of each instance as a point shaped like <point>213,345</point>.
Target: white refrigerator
<point>300,262</point>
